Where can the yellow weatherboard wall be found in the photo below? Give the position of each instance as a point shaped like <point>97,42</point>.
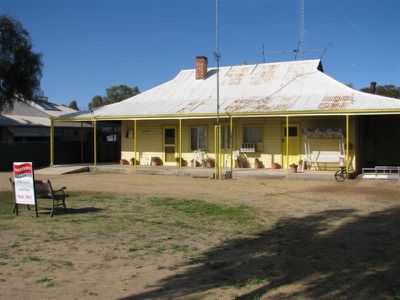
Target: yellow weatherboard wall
<point>151,135</point>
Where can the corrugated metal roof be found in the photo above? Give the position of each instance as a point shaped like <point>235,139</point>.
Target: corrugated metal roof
<point>33,114</point>
<point>263,88</point>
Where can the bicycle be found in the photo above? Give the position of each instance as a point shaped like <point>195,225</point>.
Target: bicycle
<point>342,174</point>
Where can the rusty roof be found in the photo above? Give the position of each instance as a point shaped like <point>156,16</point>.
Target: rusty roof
<point>293,86</point>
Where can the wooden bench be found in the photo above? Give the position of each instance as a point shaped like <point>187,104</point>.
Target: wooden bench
<point>44,190</point>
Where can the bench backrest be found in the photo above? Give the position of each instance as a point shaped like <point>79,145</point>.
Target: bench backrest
<point>325,156</point>
<point>43,188</point>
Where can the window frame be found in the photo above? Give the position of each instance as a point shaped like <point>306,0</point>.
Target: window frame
<point>198,137</point>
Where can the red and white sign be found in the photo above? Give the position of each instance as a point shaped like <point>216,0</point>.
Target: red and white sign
<point>24,183</point>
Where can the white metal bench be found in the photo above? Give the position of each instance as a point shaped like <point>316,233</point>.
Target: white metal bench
<point>317,157</point>
<point>381,173</point>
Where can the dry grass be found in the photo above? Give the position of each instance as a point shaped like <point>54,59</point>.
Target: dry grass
<point>233,239</point>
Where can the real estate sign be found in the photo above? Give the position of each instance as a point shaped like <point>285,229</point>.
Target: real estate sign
<point>24,183</point>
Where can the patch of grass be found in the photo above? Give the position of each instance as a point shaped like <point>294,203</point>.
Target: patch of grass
<point>48,282</point>
<point>181,248</point>
<point>7,202</point>
<point>32,258</point>
<point>160,249</point>
<point>255,280</point>
<point>199,208</point>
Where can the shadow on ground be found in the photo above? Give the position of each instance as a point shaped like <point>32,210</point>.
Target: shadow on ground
<point>358,259</point>
<point>70,211</point>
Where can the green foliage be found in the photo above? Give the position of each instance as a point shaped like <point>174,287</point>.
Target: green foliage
<point>73,105</point>
<point>199,208</point>
<point>97,101</point>
<point>20,67</point>
<point>114,94</point>
<point>120,92</point>
<point>388,90</point>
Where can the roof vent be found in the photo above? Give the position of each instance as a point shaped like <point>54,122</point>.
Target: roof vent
<point>201,67</point>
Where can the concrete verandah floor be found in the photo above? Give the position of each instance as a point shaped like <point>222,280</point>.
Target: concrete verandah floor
<point>199,172</point>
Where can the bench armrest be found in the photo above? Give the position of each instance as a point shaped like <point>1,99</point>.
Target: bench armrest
<point>60,190</point>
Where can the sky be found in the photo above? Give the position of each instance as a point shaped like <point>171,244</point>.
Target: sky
<point>90,45</point>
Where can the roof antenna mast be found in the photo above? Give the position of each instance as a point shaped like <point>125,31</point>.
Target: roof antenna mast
<point>263,54</point>
<point>302,42</point>
<point>217,53</point>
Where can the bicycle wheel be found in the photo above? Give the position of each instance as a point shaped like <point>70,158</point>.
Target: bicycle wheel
<point>341,175</point>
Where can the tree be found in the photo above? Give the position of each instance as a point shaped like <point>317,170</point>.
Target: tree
<point>97,101</point>
<point>73,105</point>
<point>20,67</point>
<point>388,90</point>
<point>114,94</point>
<point>120,92</point>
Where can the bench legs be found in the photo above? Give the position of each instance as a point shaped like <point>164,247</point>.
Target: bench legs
<point>54,204</point>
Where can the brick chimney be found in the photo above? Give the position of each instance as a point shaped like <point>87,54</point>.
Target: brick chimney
<point>201,67</point>
<point>372,88</point>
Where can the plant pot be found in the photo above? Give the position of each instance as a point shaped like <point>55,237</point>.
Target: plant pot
<point>258,165</point>
<point>123,162</point>
<point>210,164</point>
<point>293,169</point>
<point>275,166</point>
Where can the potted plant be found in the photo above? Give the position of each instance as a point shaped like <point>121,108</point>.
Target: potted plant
<point>293,168</point>
<point>132,162</point>
<point>123,162</point>
<point>156,161</point>
<point>258,164</point>
<point>275,166</point>
<point>210,163</point>
<point>241,162</point>
<point>183,162</point>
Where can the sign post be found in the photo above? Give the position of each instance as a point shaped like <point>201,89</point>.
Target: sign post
<point>24,187</point>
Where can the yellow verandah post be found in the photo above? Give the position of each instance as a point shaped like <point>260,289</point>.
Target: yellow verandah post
<point>231,142</point>
<point>51,142</point>
<point>287,144</point>
<point>215,152</point>
<point>135,141</point>
<point>347,143</point>
<point>221,159</point>
<point>180,144</point>
<point>95,143</point>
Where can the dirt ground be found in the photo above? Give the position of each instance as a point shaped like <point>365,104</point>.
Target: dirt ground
<point>297,239</point>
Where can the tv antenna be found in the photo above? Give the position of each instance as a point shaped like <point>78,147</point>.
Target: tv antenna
<point>301,47</point>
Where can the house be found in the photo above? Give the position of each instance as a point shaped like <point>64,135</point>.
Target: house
<point>25,134</point>
<point>280,113</point>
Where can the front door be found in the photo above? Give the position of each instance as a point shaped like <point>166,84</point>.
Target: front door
<point>294,144</point>
<point>169,144</point>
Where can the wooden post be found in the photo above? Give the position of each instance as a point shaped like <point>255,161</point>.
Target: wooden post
<point>51,142</point>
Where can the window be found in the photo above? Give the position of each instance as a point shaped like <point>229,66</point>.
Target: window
<point>198,138</point>
<point>292,131</point>
<point>252,135</point>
